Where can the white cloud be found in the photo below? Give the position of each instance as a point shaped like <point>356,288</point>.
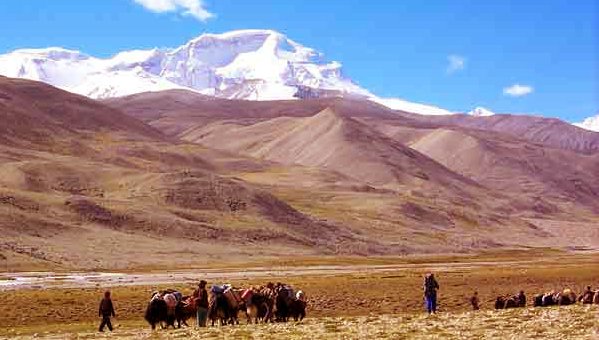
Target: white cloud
<point>194,8</point>
<point>518,90</point>
<point>456,63</point>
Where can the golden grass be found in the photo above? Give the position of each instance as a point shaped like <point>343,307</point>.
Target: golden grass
<point>575,322</point>
<point>357,294</point>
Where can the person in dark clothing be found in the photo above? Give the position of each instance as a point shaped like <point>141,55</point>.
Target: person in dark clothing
<point>474,301</point>
<point>521,299</point>
<point>430,293</point>
<point>106,310</point>
<point>587,296</point>
<point>200,296</point>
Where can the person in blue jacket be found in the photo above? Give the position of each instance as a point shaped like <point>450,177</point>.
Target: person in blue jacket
<point>430,293</point>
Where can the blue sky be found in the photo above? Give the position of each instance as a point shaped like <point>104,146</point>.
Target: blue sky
<point>454,54</point>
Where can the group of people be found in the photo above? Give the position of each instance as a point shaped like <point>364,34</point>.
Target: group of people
<point>278,303</point>
<point>223,303</point>
<point>564,297</point>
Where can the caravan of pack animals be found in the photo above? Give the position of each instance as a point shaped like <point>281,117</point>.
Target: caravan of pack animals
<point>225,305</point>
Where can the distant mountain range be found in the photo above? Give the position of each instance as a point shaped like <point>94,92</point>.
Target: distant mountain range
<point>245,64</point>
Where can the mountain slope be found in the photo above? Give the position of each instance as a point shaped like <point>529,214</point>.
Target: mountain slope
<point>175,111</point>
<point>323,176</point>
<point>513,154</point>
<point>327,140</point>
<point>37,112</point>
<point>526,169</point>
<point>547,131</point>
<point>72,169</point>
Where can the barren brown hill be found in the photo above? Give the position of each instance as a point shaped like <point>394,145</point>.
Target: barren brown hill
<point>521,160</point>
<point>331,141</point>
<point>84,186</point>
<point>507,164</point>
<point>546,131</point>
<point>39,113</point>
<point>96,189</point>
<point>515,166</point>
<point>514,154</point>
<point>175,111</point>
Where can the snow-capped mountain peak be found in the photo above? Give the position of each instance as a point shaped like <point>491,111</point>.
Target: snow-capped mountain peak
<point>481,112</point>
<point>591,123</point>
<point>243,64</point>
<point>246,64</point>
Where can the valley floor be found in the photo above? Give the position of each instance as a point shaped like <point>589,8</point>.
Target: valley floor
<point>572,322</point>
<point>361,298</point>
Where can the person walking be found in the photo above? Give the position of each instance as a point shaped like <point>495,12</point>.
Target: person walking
<point>475,301</point>
<point>430,293</point>
<point>200,296</point>
<point>106,311</point>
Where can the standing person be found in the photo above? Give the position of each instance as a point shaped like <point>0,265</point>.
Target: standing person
<point>200,296</point>
<point>521,299</point>
<point>430,293</point>
<point>474,301</point>
<point>106,310</point>
<point>587,296</point>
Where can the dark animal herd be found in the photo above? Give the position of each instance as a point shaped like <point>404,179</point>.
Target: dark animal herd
<point>280,303</point>
<point>270,303</point>
<point>562,298</point>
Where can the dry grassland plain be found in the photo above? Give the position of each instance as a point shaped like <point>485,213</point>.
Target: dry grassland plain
<point>385,304</point>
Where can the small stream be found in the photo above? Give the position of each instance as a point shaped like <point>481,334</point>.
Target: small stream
<point>45,280</point>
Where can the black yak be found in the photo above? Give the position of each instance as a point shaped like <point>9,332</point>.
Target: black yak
<point>297,309</point>
<point>156,313</point>
<point>218,309</point>
<point>500,302</point>
<point>538,300</point>
<point>282,302</point>
<point>566,297</point>
<point>185,309</point>
<point>549,299</point>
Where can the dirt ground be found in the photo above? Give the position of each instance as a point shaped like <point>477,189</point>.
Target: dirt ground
<point>343,295</point>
